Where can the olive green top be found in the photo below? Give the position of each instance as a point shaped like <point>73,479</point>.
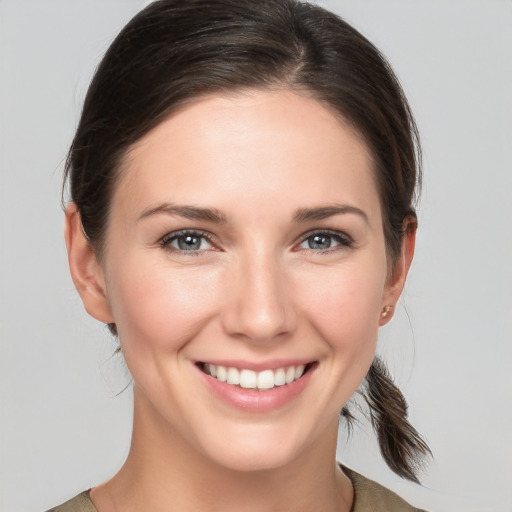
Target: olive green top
<point>369,496</point>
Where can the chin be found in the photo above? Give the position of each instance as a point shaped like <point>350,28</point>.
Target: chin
<point>254,459</point>
<point>257,447</point>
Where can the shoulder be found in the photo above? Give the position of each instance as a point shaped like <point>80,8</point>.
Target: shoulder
<point>369,496</point>
<point>80,503</point>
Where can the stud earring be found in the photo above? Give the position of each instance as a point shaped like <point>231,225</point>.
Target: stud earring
<point>385,311</point>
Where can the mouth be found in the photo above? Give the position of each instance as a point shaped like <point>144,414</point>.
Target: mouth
<point>264,380</point>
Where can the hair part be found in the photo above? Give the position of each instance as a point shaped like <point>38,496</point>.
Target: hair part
<point>173,52</point>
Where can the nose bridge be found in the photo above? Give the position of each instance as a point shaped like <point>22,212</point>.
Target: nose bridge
<point>261,305</point>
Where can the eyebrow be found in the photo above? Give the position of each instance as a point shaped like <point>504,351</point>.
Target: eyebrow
<point>323,212</point>
<point>217,217</point>
<point>186,211</point>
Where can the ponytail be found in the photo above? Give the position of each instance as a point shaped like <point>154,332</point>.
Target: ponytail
<point>401,446</point>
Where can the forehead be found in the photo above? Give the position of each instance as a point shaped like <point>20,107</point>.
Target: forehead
<point>279,146</point>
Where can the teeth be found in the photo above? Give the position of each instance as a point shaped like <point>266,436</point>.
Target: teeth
<point>279,377</point>
<point>233,376</point>
<point>221,373</point>
<point>249,379</point>
<point>265,379</point>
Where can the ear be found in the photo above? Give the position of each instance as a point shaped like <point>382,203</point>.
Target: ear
<point>86,272</point>
<point>396,279</point>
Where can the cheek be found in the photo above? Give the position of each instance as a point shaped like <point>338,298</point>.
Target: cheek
<point>344,304</point>
<point>344,308</point>
<point>158,307</point>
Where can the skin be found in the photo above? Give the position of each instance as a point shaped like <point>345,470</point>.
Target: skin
<point>256,292</point>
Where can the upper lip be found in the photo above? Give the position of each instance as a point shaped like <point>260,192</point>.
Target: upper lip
<point>259,366</point>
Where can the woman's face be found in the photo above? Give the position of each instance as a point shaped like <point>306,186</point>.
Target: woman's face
<point>245,241</point>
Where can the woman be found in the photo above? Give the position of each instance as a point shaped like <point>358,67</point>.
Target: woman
<point>241,217</point>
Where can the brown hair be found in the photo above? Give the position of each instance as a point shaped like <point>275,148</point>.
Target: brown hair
<point>173,51</point>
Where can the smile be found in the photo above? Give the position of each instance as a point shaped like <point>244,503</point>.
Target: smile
<point>250,379</point>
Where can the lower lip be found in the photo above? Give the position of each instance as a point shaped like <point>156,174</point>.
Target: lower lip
<point>252,400</point>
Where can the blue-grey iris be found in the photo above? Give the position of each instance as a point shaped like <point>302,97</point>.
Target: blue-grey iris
<point>319,242</point>
<point>189,242</point>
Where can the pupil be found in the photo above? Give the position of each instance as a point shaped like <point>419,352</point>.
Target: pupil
<point>320,242</point>
<point>189,243</point>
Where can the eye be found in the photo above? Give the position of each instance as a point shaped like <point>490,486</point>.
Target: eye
<point>187,241</point>
<point>326,240</point>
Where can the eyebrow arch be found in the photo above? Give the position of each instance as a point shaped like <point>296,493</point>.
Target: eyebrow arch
<point>323,212</point>
<point>186,211</point>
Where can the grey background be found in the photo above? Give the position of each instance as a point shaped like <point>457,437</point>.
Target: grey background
<point>62,429</point>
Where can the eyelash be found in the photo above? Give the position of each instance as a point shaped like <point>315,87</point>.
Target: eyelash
<point>167,240</point>
<point>344,241</point>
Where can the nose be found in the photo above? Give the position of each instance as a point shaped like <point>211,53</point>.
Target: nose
<point>259,304</point>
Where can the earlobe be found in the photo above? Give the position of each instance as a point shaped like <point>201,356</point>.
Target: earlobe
<point>85,270</point>
<point>396,280</point>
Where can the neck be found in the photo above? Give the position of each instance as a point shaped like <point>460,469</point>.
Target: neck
<point>164,472</point>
